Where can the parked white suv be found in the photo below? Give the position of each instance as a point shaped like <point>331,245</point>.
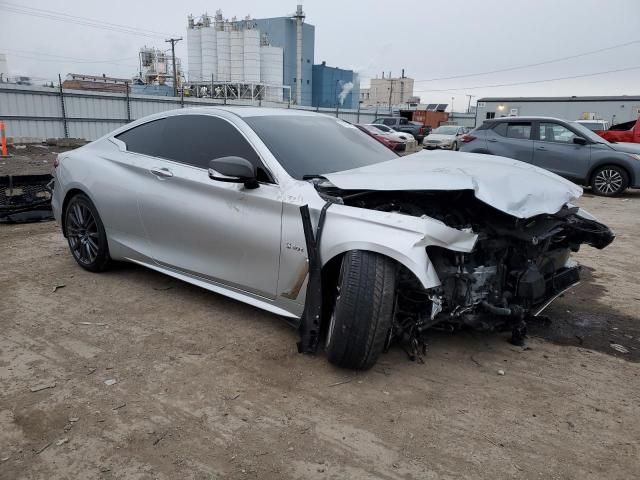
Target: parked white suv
<point>595,125</point>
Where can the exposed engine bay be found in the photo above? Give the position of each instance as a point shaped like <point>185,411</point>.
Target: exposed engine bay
<point>517,267</point>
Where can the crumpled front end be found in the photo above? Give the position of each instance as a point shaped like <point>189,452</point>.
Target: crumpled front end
<point>514,269</point>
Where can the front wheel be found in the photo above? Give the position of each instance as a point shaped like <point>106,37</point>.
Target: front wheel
<point>609,181</point>
<point>454,147</point>
<point>85,234</point>
<point>363,311</point>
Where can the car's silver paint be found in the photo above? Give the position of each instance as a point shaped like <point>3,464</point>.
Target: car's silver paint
<point>249,244</point>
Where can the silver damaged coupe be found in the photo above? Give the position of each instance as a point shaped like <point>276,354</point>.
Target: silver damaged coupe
<point>305,216</point>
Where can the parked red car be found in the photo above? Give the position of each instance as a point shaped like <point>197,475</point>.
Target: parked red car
<point>390,143</point>
<point>624,132</point>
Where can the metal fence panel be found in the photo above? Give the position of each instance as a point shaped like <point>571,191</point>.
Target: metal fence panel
<point>14,101</point>
<point>36,112</point>
<point>37,129</point>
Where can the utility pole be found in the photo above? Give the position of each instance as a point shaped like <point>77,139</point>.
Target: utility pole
<point>173,42</point>
<point>469,106</point>
<point>390,92</point>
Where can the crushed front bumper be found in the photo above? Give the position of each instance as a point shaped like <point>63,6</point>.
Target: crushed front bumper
<point>556,285</point>
<point>25,198</point>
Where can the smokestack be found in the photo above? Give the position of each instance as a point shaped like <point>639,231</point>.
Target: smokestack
<point>403,73</point>
<point>299,16</point>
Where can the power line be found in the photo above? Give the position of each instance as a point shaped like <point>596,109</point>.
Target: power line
<point>537,64</point>
<point>533,81</point>
<point>52,60</point>
<point>44,57</point>
<point>82,21</point>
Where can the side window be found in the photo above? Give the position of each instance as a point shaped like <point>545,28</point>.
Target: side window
<point>404,121</point>
<point>501,129</point>
<point>554,132</point>
<point>197,139</point>
<point>146,138</point>
<point>521,131</point>
<point>389,121</point>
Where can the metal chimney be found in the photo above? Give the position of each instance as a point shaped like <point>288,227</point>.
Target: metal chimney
<point>299,17</point>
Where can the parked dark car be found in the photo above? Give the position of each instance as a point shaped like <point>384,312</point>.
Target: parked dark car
<point>401,124</point>
<point>565,148</point>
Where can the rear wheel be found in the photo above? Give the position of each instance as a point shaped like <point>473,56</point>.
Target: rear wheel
<point>85,234</point>
<point>609,181</point>
<point>363,311</point>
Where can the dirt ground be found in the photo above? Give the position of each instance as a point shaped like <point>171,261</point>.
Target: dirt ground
<point>206,387</point>
<point>30,159</point>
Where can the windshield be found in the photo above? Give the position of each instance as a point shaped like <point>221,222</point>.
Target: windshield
<point>586,133</point>
<point>445,130</point>
<point>315,145</point>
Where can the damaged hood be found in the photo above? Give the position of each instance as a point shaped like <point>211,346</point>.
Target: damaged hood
<point>508,185</point>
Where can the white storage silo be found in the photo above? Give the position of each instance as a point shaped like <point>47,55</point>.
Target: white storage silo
<point>237,55</point>
<point>194,51</point>
<point>209,50</point>
<point>251,55</point>
<point>271,71</point>
<point>224,54</point>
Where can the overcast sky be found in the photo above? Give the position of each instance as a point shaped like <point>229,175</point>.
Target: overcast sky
<point>429,39</point>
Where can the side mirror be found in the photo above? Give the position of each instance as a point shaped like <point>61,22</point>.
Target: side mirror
<point>233,170</point>
<point>579,141</point>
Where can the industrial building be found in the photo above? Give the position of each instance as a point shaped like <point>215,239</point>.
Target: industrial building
<point>156,69</point>
<point>95,83</point>
<point>615,109</point>
<point>388,91</point>
<point>335,87</point>
<point>253,55</point>
<point>4,68</point>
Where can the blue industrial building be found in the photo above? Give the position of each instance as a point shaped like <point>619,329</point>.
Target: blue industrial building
<point>281,32</point>
<point>329,83</point>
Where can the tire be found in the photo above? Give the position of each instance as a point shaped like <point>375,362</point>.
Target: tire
<point>454,147</point>
<point>85,234</point>
<point>609,181</point>
<point>363,311</point>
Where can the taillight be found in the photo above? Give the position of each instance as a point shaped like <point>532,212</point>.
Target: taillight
<point>56,161</point>
<point>421,130</point>
<point>467,137</point>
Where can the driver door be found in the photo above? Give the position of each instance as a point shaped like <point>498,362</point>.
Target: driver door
<point>221,232</point>
<point>554,150</point>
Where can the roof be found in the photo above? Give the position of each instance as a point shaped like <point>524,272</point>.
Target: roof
<point>620,98</point>
<point>527,117</point>
<point>243,111</point>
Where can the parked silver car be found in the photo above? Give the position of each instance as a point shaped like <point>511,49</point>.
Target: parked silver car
<point>568,149</point>
<point>307,217</point>
<point>445,136</point>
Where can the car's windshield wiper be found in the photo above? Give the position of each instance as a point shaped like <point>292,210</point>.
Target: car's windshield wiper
<point>311,176</point>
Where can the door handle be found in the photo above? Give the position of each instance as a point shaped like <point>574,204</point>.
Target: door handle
<point>162,172</point>
<point>492,140</point>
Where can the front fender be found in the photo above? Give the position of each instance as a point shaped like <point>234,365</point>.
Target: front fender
<point>401,237</point>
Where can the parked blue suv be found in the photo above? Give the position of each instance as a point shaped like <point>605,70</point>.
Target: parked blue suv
<point>565,148</point>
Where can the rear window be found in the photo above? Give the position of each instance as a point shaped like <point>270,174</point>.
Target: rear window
<point>145,139</point>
